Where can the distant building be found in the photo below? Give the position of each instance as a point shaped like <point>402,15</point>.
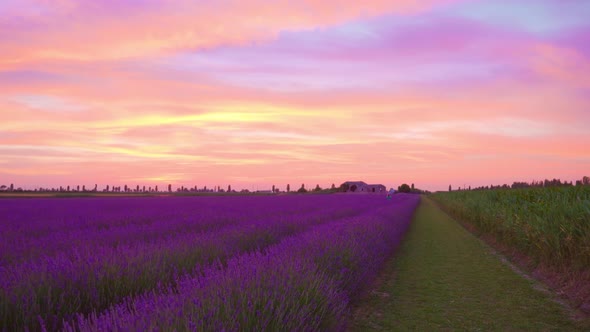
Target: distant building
<point>376,188</point>
<point>362,187</point>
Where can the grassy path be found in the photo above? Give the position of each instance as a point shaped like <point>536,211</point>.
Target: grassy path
<point>444,278</point>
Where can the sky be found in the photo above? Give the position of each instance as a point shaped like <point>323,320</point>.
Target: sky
<point>260,93</point>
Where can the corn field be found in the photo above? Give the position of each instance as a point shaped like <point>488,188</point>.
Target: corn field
<point>551,225</point>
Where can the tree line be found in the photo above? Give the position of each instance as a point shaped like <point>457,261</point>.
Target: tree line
<point>405,188</point>
<point>156,189</point>
<point>585,181</point>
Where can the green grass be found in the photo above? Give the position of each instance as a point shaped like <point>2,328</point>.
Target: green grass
<point>443,278</point>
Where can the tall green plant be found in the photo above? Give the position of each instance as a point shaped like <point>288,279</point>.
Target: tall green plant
<point>548,224</point>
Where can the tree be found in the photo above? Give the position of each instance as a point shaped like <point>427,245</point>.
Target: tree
<point>344,187</point>
<point>169,188</point>
<point>273,188</point>
<point>404,188</point>
<point>302,189</point>
<point>450,189</point>
<point>412,186</point>
<point>585,181</point>
<point>333,186</point>
<point>317,188</point>
<point>84,188</point>
<point>229,188</point>
<point>288,188</point>
<point>353,188</point>
<point>12,187</point>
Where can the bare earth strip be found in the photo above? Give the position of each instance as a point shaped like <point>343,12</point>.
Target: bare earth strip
<point>444,278</point>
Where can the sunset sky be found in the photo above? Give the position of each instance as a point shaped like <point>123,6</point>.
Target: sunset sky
<point>256,93</point>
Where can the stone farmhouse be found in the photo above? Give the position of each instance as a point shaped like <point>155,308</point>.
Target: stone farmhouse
<point>362,187</point>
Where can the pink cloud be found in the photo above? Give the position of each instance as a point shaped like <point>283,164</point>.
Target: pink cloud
<point>85,30</point>
<point>299,93</point>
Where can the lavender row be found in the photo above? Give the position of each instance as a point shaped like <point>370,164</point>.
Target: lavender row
<point>304,283</point>
<point>55,287</point>
<point>30,229</point>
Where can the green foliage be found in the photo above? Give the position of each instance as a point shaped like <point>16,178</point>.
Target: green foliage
<point>404,188</point>
<point>549,224</point>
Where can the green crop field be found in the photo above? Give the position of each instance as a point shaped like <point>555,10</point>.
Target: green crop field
<point>551,225</point>
<point>544,230</point>
<point>445,279</point>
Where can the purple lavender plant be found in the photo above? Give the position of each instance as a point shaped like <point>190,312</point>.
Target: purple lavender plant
<point>303,283</point>
<point>60,257</point>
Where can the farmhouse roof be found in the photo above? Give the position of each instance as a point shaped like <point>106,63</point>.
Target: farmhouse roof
<point>350,183</point>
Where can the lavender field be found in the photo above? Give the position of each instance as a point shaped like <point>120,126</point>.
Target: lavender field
<point>292,262</point>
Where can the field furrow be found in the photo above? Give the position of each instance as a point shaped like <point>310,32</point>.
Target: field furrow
<point>303,283</point>
<point>90,278</point>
